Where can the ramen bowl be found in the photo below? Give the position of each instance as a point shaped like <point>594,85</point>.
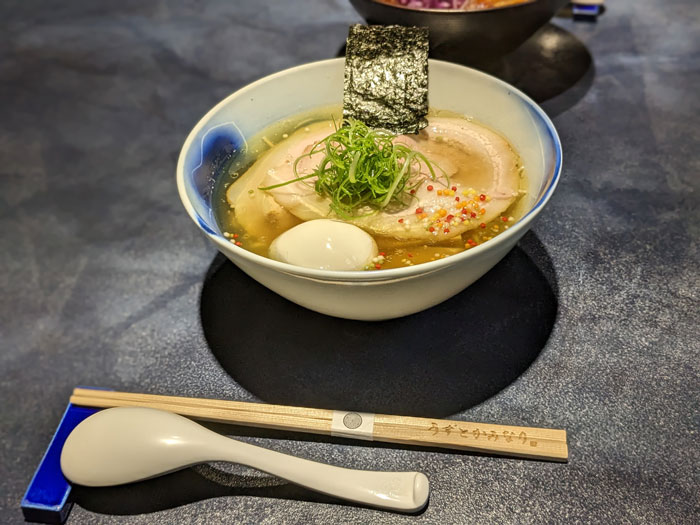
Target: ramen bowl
<point>366,295</point>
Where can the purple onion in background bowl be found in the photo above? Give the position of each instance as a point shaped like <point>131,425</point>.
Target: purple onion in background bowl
<point>466,36</point>
<point>427,4</point>
<point>463,5</point>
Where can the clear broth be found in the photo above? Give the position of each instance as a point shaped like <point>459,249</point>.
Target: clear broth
<point>395,253</point>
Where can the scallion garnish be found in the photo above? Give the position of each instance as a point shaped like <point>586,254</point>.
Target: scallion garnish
<point>363,170</point>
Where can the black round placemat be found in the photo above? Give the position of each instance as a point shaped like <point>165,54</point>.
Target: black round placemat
<point>437,362</point>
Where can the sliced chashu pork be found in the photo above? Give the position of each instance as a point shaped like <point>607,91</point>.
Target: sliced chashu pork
<point>256,211</point>
<point>480,165</point>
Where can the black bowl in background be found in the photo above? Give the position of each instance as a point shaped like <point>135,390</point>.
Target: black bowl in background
<point>470,37</point>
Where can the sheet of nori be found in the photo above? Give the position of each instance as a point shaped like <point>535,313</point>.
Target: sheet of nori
<point>386,77</point>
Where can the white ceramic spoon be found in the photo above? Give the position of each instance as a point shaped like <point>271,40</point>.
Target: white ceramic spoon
<point>122,445</point>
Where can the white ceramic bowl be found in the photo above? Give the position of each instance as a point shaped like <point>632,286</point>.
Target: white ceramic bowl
<point>382,294</point>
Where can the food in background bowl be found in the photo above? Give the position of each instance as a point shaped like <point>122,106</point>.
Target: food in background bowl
<point>459,5</point>
<point>224,133</point>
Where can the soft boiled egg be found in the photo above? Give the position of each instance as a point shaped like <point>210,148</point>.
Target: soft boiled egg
<point>325,244</point>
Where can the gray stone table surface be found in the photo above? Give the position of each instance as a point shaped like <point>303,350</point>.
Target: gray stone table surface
<point>102,272</point>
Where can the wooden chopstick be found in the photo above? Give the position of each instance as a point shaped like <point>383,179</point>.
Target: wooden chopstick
<point>528,442</point>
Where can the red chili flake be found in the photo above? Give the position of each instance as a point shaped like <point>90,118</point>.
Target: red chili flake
<point>238,243</point>
<point>454,188</point>
<point>457,199</point>
<point>382,254</point>
<point>446,230</point>
<point>412,192</point>
<point>409,255</point>
<point>235,236</point>
<point>464,211</point>
<point>473,214</point>
<point>419,210</point>
<point>400,220</point>
<point>482,197</point>
<point>431,229</point>
<point>482,225</point>
<point>430,188</point>
<point>449,218</point>
<point>504,219</point>
<point>378,266</point>
<point>471,242</point>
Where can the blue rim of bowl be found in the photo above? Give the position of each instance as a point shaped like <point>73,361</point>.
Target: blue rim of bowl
<point>359,276</point>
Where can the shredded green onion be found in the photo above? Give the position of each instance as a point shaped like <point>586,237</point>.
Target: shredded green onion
<point>363,171</point>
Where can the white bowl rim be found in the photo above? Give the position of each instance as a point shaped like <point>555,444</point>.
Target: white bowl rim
<point>360,276</point>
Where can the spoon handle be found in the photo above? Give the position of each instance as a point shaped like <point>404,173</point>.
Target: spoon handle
<point>401,491</point>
